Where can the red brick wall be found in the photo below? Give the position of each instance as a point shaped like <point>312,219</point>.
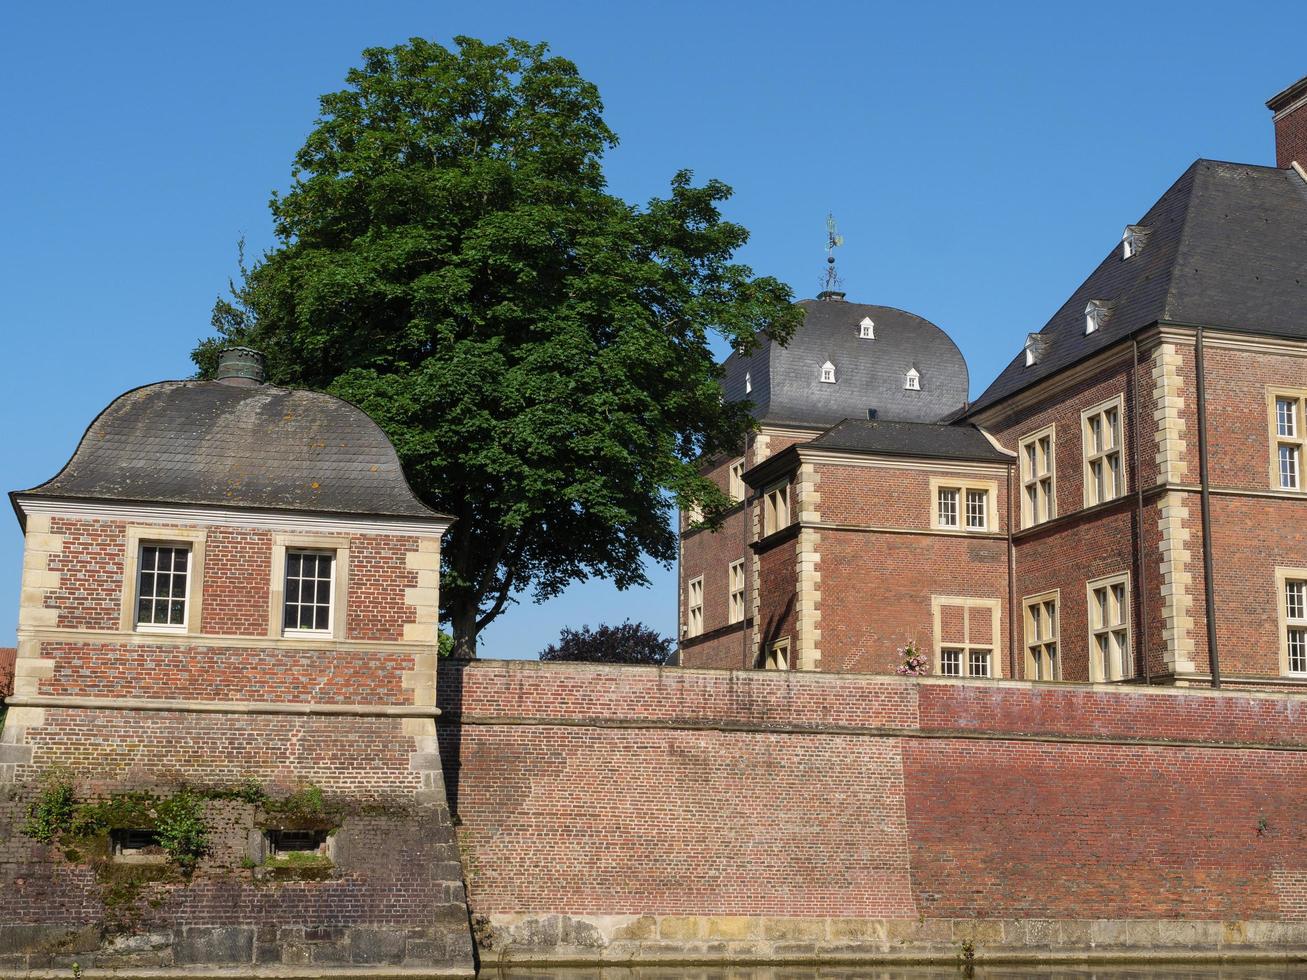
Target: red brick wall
<point>1291,138</point>
<point>237,581</point>
<point>777,582</point>
<point>895,497</point>
<point>675,792</point>
<point>7,655</point>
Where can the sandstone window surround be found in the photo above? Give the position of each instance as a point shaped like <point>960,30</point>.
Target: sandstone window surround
<point>776,508</point>
<point>736,484</point>
<point>1101,430</point>
<point>966,631</point>
<point>1038,476</point>
<point>296,586</point>
<point>694,607</point>
<point>1291,602</point>
<point>1043,656</point>
<point>183,550</point>
<point>963,505</point>
<point>778,654</point>
<point>1108,603</point>
<point>736,576</point>
<point>1287,436</point>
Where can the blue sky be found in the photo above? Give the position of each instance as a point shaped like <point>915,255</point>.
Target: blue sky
<point>980,160</point>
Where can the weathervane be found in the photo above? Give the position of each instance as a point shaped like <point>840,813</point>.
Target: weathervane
<point>833,241</point>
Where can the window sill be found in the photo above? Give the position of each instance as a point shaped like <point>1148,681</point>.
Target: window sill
<point>167,630</point>
<point>776,537</point>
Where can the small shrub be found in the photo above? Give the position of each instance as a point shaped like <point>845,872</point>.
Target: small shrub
<point>52,814</point>
<point>182,830</point>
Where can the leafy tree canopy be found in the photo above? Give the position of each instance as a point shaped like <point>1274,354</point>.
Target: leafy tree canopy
<point>450,261</point>
<point>629,643</point>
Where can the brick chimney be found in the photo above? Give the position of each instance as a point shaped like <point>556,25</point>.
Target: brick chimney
<point>1290,108</point>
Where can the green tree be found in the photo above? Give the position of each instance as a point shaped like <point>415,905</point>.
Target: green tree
<point>450,261</point>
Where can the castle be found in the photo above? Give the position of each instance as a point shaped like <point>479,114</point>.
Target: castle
<point>1123,503</point>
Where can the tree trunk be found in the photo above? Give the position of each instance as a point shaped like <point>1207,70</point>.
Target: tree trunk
<point>463,622</point>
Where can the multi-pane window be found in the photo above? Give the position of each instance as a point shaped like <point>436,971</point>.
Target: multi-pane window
<point>867,328</point>
<point>828,373</point>
<point>309,590</point>
<point>1038,502</point>
<point>912,380</point>
<point>162,586</point>
<point>964,663</point>
<point>778,655</point>
<point>965,630</point>
<point>960,506</point>
<point>736,610</point>
<point>948,507</point>
<point>737,480</point>
<point>1288,443</point>
<point>694,615</point>
<point>950,662</point>
<point>1295,625</point>
<point>1109,629</point>
<point>1104,478</point>
<point>1042,660</point>
<point>776,508</point>
<point>978,663</point>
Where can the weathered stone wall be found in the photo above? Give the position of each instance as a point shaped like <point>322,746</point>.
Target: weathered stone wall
<point>608,813</point>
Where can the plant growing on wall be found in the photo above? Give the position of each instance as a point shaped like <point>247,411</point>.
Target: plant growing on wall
<point>451,261</point>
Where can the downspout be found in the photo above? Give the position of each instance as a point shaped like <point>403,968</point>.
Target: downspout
<point>1141,590</point>
<point>1212,655</point>
<point>1011,583</point>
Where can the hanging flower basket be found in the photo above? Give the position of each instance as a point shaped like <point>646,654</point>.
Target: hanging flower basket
<point>914,662</point>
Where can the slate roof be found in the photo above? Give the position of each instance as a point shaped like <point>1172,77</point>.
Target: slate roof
<point>787,386</point>
<point>921,439</point>
<point>1226,248</point>
<point>209,443</point>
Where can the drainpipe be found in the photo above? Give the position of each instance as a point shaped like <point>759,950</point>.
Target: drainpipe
<point>1011,583</point>
<point>1142,566</point>
<point>1212,655</point>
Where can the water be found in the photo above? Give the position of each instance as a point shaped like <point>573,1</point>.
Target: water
<point>1274,971</point>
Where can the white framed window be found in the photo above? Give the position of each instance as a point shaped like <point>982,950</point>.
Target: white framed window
<point>1110,656</point>
<point>912,380</point>
<point>1096,312</point>
<point>1291,584</point>
<point>778,655</point>
<point>1038,477</point>
<point>694,610</point>
<point>163,586</point>
<point>828,373</point>
<point>867,329</point>
<point>1043,660</point>
<point>776,508</point>
<point>1288,438</point>
<point>1101,432</point>
<point>736,481</point>
<point>736,579</point>
<point>965,632</point>
<point>309,595</point>
<point>962,505</point>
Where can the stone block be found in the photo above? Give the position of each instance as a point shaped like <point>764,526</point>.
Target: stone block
<point>981,932</point>
<point>910,931</point>
<point>376,946</point>
<point>198,946</point>
<point>847,928</point>
<point>1035,932</point>
<point>328,954</point>
<point>424,952</point>
<point>680,927</point>
<point>793,929</point>
<point>732,927</point>
<point>644,927</point>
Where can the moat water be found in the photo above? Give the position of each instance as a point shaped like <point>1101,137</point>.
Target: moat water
<point>1276,971</point>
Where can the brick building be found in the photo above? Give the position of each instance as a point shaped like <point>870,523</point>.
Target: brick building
<point>1124,502</point>
<point>230,592</point>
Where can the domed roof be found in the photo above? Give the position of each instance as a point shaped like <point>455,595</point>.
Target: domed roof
<point>233,445</point>
<point>870,372</point>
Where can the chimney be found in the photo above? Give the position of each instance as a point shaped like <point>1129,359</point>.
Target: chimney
<point>1290,108</point>
<point>241,366</point>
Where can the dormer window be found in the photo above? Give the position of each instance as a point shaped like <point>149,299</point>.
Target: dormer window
<point>867,329</point>
<point>1096,315</point>
<point>912,380</point>
<point>1132,240</point>
<point>748,383</point>
<point>1034,349</point>
<point>828,373</point>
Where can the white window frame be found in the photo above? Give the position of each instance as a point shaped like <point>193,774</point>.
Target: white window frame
<point>139,536</point>
<point>1098,451</point>
<point>735,480</point>
<point>1108,613</point>
<point>338,616</point>
<point>174,547</point>
<point>867,329</point>
<point>971,607</point>
<point>1039,637</point>
<point>302,631</point>
<point>1292,622</point>
<point>776,508</point>
<point>735,581</point>
<point>1292,440</point>
<point>961,491</point>
<point>828,373</point>
<point>778,654</point>
<point>912,380</point>
<point>1038,481</point>
<point>694,607</point>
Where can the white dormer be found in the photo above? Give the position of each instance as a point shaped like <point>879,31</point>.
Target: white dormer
<point>748,383</point>
<point>1034,348</point>
<point>828,373</point>
<point>867,328</point>
<point>1132,240</point>
<point>1095,315</point>
<point>912,380</point>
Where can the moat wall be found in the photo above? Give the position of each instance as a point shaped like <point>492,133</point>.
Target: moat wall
<point>616,813</point>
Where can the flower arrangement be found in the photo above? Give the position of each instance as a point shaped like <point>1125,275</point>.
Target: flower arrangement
<point>914,661</point>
